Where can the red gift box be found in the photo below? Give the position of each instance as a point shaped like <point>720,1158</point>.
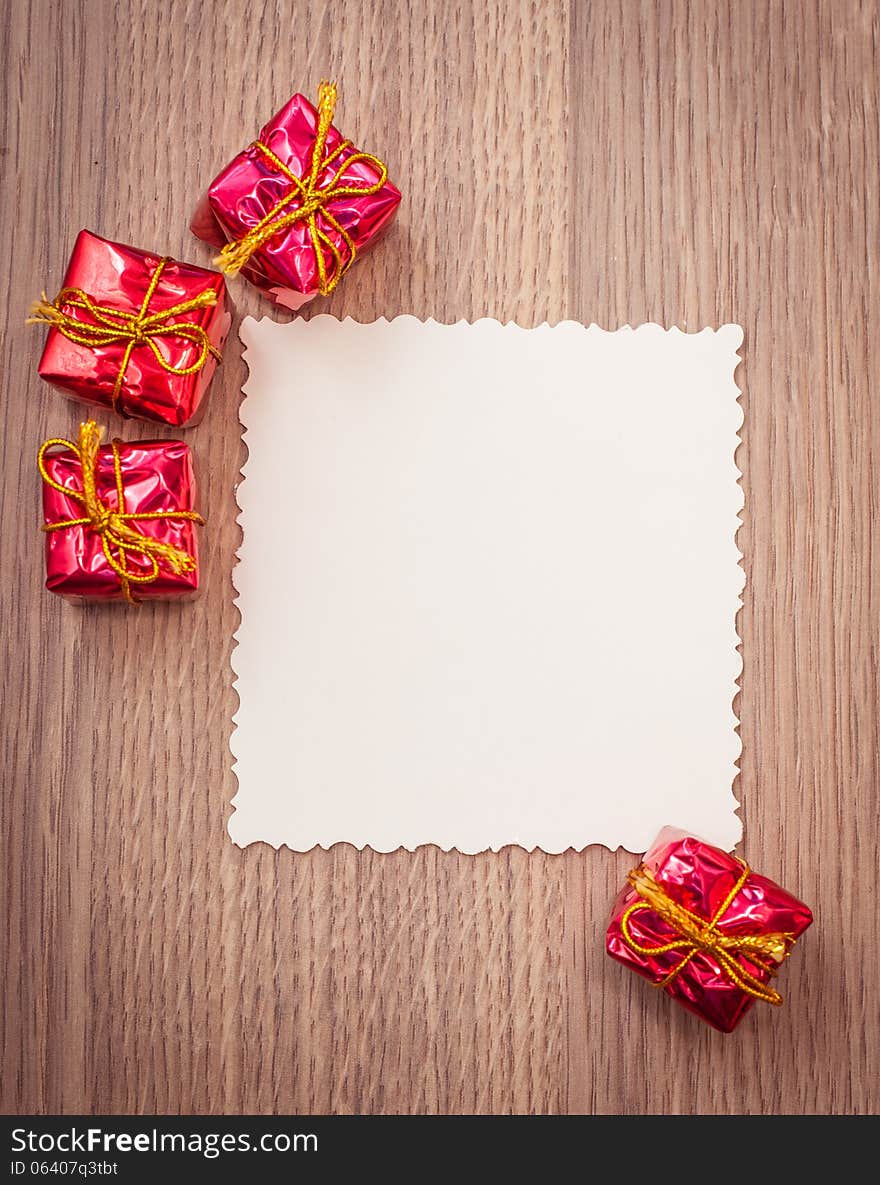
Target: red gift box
<point>298,206</point>
<point>120,523</point>
<point>134,331</point>
<point>700,924</point>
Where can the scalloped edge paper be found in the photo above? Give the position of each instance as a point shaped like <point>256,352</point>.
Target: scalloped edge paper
<point>488,585</point>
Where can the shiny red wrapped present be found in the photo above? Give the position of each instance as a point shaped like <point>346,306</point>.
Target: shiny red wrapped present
<point>134,331</point>
<point>700,924</point>
<point>120,523</point>
<point>295,210</point>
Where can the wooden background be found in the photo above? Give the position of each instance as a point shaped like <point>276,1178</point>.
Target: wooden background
<point>687,163</point>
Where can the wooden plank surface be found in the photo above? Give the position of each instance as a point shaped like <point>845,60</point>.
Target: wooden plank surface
<point>688,163</point>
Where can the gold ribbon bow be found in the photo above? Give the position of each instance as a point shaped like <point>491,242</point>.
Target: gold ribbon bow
<point>113,326</point>
<point>313,200</point>
<point>118,539</point>
<point>698,934</point>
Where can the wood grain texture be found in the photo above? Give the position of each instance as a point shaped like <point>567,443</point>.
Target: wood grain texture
<point>688,163</point>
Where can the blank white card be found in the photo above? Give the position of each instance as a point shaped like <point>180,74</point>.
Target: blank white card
<point>488,585</point>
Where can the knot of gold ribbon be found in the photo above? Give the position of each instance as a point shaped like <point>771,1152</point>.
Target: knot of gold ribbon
<point>698,934</point>
<point>118,538</point>
<point>110,326</point>
<point>307,200</point>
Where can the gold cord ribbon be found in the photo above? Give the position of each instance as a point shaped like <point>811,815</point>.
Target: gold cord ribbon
<point>113,326</point>
<point>118,539</point>
<point>697,934</point>
<point>313,200</point>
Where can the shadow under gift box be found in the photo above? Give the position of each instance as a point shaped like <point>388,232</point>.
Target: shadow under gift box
<point>116,279</point>
<point>251,187</point>
<point>157,475</point>
<point>701,878</point>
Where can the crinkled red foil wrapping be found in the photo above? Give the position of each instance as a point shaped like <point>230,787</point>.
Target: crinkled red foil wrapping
<point>156,475</point>
<point>250,187</point>
<point>699,877</point>
<point>117,276</point>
